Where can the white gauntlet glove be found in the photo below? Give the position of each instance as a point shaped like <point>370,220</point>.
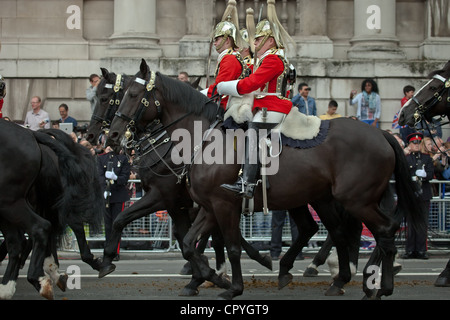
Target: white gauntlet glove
<point>421,173</point>
<point>228,88</point>
<point>106,194</point>
<point>110,175</point>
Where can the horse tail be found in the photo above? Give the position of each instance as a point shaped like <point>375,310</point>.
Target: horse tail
<point>409,204</point>
<point>82,199</point>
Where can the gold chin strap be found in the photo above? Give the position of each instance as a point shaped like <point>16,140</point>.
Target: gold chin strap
<point>224,38</point>
<point>263,42</point>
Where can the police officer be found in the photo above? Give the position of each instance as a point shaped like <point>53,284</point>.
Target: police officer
<point>266,82</point>
<point>422,171</point>
<point>114,171</point>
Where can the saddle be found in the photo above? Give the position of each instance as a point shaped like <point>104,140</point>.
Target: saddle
<point>297,129</point>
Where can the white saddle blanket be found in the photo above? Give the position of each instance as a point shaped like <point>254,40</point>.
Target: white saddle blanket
<point>296,125</point>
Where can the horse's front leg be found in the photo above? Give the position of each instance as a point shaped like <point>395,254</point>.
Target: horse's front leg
<point>229,225</point>
<point>85,251</point>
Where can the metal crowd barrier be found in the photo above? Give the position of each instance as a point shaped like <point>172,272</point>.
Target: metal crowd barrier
<point>154,231</point>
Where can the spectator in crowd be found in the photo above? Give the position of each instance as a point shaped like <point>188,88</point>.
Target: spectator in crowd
<point>276,242</point>
<point>303,101</point>
<point>114,172</point>
<point>2,93</point>
<point>430,129</point>
<point>183,76</point>
<point>37,118</point>
<point>405,130</point>
<point>331,112</point>
<point>368,102</point>
<point>64,113</point>
<point>401,142</point>
<point>55,124</point>
<point>91,92</point>
<point>88,145</point>
<point>422,171</point>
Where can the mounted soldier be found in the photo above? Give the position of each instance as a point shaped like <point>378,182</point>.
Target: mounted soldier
<point>227,40</point>
<point>268,85</point>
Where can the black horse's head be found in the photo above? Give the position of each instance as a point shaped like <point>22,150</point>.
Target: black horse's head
<point>110,92</point>
<point>139,104</point>
<point>430,100</point>
<point>153,97</point>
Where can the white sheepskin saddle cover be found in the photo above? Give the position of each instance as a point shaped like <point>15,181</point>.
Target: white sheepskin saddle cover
<point>296,125</point>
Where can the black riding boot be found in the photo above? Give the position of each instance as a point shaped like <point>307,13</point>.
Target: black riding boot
<point>245,185</point>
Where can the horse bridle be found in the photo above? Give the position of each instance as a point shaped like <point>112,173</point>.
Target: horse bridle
<point>144,104</point>
<point>421,109</point>
<point>114,103</point>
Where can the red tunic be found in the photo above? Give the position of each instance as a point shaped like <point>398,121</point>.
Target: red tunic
<point>267,74</point>
<point>1,106</point>
<point>229,68</point>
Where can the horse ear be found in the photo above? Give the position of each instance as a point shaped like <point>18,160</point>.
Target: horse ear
<point>105,74</point>
<point>196,82</point>
<point>144,68</point>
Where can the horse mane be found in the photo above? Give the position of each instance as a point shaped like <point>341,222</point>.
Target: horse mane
<point>444,69</point>
<point>188,98</point>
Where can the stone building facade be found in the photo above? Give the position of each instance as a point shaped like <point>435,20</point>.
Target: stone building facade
<point>50,47</point>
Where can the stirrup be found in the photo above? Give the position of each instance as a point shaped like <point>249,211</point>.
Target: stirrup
<point>237,187</point>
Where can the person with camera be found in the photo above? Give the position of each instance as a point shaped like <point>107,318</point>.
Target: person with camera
<point>422,171</point>
<point>114,172</point>
<point>37,118</point>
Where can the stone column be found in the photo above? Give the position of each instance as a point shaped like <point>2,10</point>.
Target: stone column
<point>374,31</point>
<point>311,32</point>
<point>438,32</point>
<point>134,30</point>
<point>200,23</point>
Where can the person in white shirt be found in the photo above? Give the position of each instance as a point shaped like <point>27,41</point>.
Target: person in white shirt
<point>37,118</point>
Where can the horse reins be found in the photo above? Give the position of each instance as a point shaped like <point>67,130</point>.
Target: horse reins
<point>437,97</point>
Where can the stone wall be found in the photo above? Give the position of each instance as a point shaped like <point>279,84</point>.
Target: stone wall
<point>44,53</point>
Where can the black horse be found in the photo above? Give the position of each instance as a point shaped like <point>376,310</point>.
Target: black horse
<point>433,99</point>
<point>43,189</point>
<point>319,179</point>
<point>159,177</point>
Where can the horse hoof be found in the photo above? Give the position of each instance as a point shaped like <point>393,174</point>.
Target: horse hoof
<point>225,296</point>
<point>373,297</point>
<point>396,270</point>
<point>267,262</point>
<point>106,270</point>
<point>442,282</point>
<point>188,292</point>
<point>311,272</point>
<point>284,280</point>
<point>62,282</point>
<point>46,289</point>
<point>96,264</point>
<point>334,291</point>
